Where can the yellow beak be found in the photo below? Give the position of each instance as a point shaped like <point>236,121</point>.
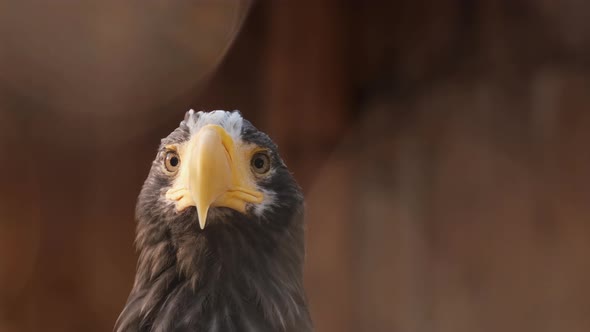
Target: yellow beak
<point>218,176</point>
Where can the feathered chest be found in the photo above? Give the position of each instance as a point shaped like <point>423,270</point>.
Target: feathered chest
<point>210,308</point>
<point>197,288</point>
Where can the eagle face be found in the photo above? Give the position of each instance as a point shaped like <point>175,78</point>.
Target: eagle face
<point>216,168</point>
<point>219,234</point>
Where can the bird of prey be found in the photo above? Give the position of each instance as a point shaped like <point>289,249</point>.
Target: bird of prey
<point>220,234</point>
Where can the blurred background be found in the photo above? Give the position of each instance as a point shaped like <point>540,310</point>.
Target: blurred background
<point>443,147</point>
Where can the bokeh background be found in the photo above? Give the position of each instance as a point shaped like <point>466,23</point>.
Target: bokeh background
<point>443,147</point>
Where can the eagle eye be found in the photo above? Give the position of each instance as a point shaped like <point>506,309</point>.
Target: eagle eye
<point>172,161</point>
<point>260,162</point>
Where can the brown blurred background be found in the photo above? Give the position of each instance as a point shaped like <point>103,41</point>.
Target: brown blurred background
<point>442,145</point>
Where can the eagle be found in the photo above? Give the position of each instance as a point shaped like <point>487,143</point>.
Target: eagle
<point>220,234</point>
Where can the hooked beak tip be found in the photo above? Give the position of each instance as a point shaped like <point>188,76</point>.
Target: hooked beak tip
<point>203,217</point>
